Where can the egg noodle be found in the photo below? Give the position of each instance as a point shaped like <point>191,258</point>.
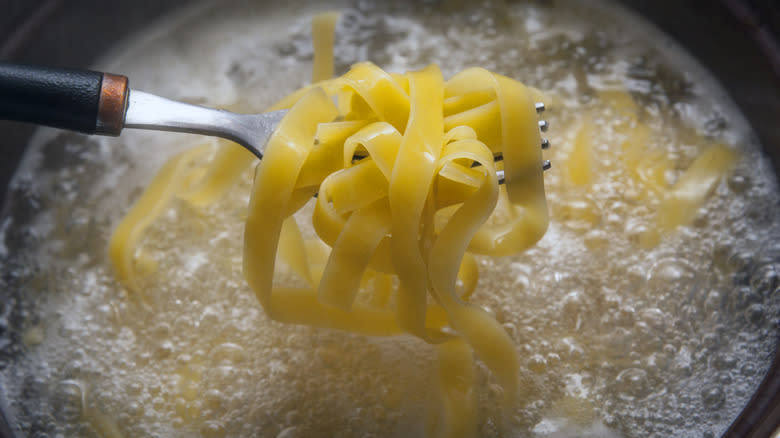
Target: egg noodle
<point>402,167</point>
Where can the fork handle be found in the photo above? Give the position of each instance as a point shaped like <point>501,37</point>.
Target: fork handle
<point>78,100</point>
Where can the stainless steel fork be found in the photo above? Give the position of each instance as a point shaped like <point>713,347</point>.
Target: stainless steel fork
<point>104,104</point>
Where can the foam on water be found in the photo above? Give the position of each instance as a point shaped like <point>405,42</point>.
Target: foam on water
<point>617,337</point>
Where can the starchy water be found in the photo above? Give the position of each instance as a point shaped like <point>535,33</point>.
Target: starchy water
<point>620,331</point>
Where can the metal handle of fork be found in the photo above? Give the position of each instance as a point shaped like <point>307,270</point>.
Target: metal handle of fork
<point>103,103</point>
<point>79,100</point>
<point>147,111</point>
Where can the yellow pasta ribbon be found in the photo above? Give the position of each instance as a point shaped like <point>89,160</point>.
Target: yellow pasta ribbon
<point>681,203</point>
<point>170,181</point>
<point>275,180</point>
<point>323,27</point>
<point>410,182</point>
<point>520,140</point>
<point>456,417</point>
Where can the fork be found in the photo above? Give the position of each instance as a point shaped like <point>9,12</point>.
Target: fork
<point>103,103</point>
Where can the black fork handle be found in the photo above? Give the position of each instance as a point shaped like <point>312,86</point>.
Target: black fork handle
<point>78,100</point>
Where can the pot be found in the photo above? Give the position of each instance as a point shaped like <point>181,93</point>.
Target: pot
<point>735,39</point>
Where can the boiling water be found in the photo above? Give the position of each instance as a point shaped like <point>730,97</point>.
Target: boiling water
<point>617,336</point>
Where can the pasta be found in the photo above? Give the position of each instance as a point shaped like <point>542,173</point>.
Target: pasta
<point>402,167</point>
<point>680,202</point>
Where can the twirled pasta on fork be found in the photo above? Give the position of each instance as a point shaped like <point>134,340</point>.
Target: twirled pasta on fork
<point>406,190</point>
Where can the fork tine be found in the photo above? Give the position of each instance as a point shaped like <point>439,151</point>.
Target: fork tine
<point>543,126</point>
<point>546,165</point>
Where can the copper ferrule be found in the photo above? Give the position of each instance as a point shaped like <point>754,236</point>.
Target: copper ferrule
<point>112,104</point>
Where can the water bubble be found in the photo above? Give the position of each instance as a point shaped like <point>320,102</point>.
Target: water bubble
<point>715,300</point>
<point>674,418</point>
<point>724,378</point>
<point>163,350</point>
<point>742,297</point>
<point>578,214</point>
<point>671,275</point>
<point>721,253</point>
<point>738,182</point>
<point>183,324</point>
<point>739,263</point>
<point>724,362</point>
<point>161,331</point>
<point>214,400</point>
<point>683,364</point>
<point>227,352</point>
<point>596,239</point>
<point>495,391</point>
<point>611,421</point>
<point>655,362</point>
<point>619,342</point>
<point>626,316</point>
<point>133,409</point>
<point>134,387</point>
<point>210,317</point>
<point>711,340</point>
<point>67,401</point>
<point>633,383</point>
<point>290,432</point>
<point>610,300</point>
<point>570,349</point>
<point>158,403</point>
<point>765,278</point>
<point>34,336</point>
<point>748,369</point>
<point>713,397</point>
<point>537,363</point>
<point>573,304</point>
<point>641,233</point>
<point>212,429</point>
<point>654,317</point>
<point>755,313</point>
